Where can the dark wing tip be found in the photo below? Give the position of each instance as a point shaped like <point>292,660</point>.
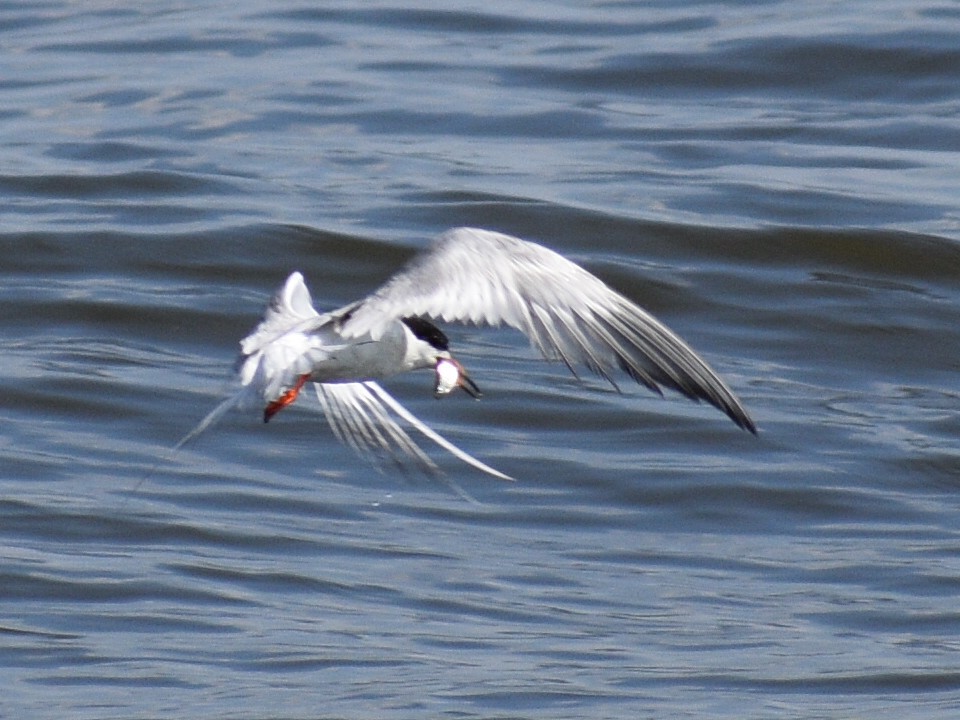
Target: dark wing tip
<point>743,421</point>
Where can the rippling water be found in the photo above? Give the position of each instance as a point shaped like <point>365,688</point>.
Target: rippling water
<point>777,181</point>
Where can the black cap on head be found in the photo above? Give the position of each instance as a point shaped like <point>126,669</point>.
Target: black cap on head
<point>428,332</point>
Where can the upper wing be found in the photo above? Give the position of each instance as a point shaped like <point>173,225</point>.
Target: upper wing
<point>484,277</point>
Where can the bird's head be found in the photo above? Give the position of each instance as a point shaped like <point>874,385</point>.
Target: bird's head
<point>434,349</point>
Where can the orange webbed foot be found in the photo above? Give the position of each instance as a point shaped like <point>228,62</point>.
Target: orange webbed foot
<point>288,397</point>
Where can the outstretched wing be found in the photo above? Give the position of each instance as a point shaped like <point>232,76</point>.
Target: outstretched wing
<point>360,416</point>
<point>484,277</point>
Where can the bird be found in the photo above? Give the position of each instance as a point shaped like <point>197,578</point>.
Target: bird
<point>469,276</point>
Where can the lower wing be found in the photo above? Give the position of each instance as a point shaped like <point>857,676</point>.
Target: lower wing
<point>360,415</point>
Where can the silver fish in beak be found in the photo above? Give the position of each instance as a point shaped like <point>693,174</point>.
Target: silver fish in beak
<point>450,375</point>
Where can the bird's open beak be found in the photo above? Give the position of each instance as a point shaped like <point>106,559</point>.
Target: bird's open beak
<point>468,385</point>
<point>450,375</point>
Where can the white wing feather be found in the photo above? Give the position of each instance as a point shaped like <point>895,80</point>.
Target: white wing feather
<point>290,308</point>
<point>282,347</point>
<point>484,277</point>
<point>359,415</point>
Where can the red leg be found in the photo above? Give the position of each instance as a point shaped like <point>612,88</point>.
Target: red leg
<point>288,397</point>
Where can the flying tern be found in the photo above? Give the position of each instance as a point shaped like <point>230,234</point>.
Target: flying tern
<point>468,276</point>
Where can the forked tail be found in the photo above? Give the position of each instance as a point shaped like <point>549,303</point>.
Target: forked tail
<point>238,399</point>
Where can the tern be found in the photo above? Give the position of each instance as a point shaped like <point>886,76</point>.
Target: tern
<point>469,276</point>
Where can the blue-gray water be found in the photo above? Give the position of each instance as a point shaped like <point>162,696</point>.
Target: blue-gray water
<point>777,181</point>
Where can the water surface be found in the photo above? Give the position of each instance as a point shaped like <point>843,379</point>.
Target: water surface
<point>776,181</point>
